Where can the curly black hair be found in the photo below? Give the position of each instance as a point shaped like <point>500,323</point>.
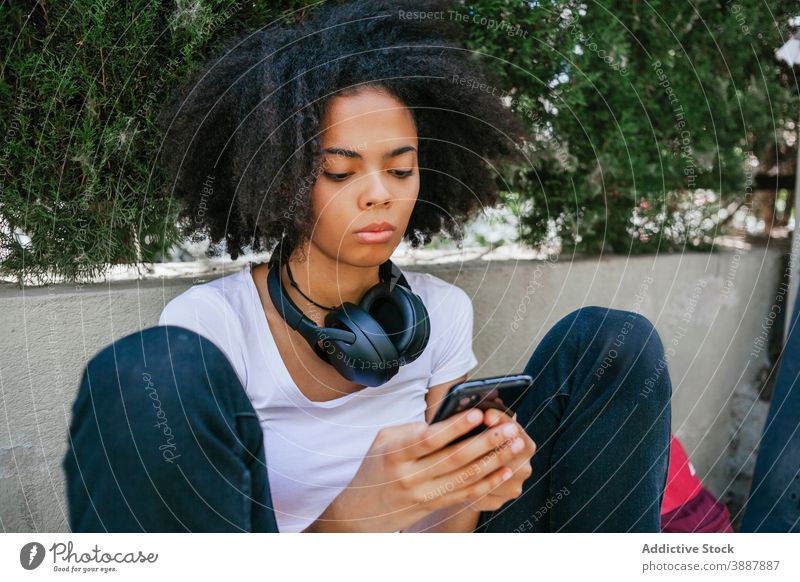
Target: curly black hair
<point>241,135</point>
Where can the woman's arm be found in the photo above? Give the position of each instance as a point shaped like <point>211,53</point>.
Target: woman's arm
<point>327,522</point>
<point>454,518</point>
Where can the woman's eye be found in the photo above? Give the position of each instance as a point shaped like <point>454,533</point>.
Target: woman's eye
<point>337,177</point>
<point>402,173</point>
<point>344,176</point>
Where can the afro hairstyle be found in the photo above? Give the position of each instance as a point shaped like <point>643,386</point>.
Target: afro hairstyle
<point>241,135</point>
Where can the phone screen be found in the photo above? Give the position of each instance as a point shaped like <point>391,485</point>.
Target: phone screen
<point>503,393</point>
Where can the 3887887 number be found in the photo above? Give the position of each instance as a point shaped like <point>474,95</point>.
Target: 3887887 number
<point>754,564</point>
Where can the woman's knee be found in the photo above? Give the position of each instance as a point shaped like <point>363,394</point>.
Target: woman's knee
<point>620,330</point>
<point>155,384</point>
<point>162,367</point>
<point>156,408</point>
<point>624,342</point>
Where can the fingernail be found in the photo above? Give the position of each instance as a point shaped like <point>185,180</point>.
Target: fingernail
<point>510,430</point>
<point>507,475</point>
<point>474,416</point>
<point>517,445</point>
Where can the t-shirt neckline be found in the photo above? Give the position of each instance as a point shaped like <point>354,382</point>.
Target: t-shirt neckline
<point>273,347</point>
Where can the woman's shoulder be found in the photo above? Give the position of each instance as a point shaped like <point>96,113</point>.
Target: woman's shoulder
<point>208,309</point>
<point>437,293</point>
<point>206,305</point>
<point>451,318</point>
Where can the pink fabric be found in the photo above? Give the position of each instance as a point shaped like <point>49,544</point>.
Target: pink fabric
<point>682,484</point>
<point>688,507</point>
<point>701,514</point>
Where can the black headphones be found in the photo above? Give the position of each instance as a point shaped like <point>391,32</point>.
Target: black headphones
<point>366,343</point>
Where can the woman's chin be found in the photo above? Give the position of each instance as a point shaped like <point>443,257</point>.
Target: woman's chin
<point>370,255</point>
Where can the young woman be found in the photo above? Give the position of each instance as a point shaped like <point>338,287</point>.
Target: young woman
<point>335,139</point>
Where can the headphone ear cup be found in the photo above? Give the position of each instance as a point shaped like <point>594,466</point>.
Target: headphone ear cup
<point>403,317</point>
<point>372,358</point>
<point>419,323</point>
<point>393,316</point>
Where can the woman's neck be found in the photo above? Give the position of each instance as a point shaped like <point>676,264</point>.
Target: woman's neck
<point>326,281</point>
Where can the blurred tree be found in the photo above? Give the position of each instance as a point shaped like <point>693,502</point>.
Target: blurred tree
<point>82,82</point>
<point>646,118</point>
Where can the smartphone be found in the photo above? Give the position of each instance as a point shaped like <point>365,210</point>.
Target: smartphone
<point>502,392</point>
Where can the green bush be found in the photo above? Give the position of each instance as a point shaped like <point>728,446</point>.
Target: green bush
<point>82,84</point>
<point>658,119</point>
<point>637,142</point>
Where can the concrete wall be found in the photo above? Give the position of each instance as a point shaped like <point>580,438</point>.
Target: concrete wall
<point>709,308</point>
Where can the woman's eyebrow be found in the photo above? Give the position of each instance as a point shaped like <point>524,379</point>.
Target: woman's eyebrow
<point>351,154</point>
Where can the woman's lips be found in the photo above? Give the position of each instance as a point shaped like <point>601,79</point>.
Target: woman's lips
<point>374,237</point>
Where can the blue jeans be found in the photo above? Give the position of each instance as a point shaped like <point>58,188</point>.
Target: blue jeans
<point>163,437</point>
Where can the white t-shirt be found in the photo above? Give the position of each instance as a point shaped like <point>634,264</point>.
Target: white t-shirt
<point>313,449</point>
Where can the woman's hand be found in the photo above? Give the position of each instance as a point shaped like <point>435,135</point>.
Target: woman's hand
<point>410,471</point>
<point>519,463</point>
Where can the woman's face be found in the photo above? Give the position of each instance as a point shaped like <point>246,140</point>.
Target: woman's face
<point>369,175</point>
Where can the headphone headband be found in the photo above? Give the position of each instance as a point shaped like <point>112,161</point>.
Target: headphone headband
<point>296,318</point>
<point>366,342</point>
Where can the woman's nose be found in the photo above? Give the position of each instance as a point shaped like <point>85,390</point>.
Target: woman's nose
<point>375,193</point>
